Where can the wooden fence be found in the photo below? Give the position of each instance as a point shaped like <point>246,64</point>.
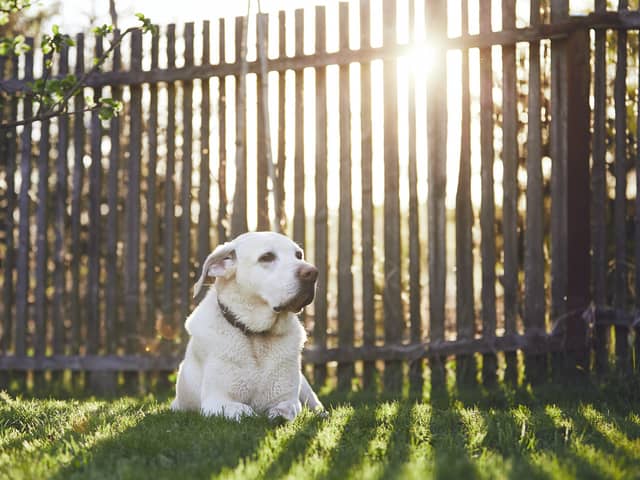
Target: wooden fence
<point>527,258</point>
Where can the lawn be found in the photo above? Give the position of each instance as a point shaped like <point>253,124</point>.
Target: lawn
<point>585,431</point>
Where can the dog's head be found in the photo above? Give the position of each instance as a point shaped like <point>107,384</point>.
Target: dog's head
<point>265,265</point>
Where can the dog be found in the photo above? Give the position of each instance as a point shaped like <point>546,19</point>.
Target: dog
<point>244,354</point>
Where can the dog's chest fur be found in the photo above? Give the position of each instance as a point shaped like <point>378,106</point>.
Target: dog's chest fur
<point>261,370</point>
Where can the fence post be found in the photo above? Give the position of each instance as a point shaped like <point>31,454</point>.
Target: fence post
<point>577,240</point>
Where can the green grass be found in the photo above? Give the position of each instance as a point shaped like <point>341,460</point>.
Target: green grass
<point>553,432</point>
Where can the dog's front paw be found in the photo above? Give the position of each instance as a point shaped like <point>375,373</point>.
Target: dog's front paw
<point>232,410</point>
<point>287,410</point>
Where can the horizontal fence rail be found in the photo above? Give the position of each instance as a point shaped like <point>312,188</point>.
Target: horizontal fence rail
<point>456,191</point>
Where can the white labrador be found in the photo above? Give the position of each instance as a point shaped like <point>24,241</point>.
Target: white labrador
<point>243,356</point>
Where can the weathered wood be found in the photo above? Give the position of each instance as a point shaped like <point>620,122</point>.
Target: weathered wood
<point>262,194</point>
<point>529,343</point>
<point>507,37</point>
<point>321,216</point>
<point>76,204</point>
<point>620,300</point>
<point>636,219</point>
<point>510,186</point>
<point>299,212</point>
<point>393,316</point>
<point>239,213</point>
<point>599,192</point>
<point>185,180</point>
<point>112,290</point>
<point>465,311</point>
<point>558,171</point>
<point>59,313</point>
<point>534,263</point>
<point>95,223</point>
<point>168,300</point>
<point>222,141</point>
<point>132,213</point>
<point>578,197</point>
<point>204,190</point>
<point>151,243</point>
<point>345,211</point>
<point>42,221</point>
<point>487,212</point>
<point>415,293</point>
<point>366,151</point>
<point>280,221</point>
<point>24,207</point>
<point>8,140</point>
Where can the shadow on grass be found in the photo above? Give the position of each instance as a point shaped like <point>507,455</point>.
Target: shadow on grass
<point>450,454</point>
<point>169,445</point>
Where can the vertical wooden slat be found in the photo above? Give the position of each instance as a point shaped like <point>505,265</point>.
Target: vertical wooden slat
<point>76,205</point>
<point>187,168</point>
<point>113,188</point>
<point>368,310</point>
<point>280,220</point>
<point>436,144</point>
<point>558,140</point>
<point>510,186</point>
<point>620,202</point>
<point>262,196</point>
<point>168,300</point>
<point>299,213</point>
<point>321,229</point>
<point>487,212</point>
<point>132,243</point>
<point>151,244</point>
<point>222,139</point>
<point>9,297</point>
<point>22,282</point>
<point>579,295</point>
<point>393,317</point>
<point>95,227</point>
<point>61,193</point>
<point>42,218</point>
<point>534,293</point>
<point>465,314</point>
<point>239,214</point>
<point>204,218</point>
<point>636,219</point>
<point>345,222</point>
<point>599,193</point>
<point>415,318</point>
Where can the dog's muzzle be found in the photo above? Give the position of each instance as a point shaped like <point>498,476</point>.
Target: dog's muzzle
<point>307,276</point>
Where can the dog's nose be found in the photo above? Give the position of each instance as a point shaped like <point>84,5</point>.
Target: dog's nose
<point>308,273</point>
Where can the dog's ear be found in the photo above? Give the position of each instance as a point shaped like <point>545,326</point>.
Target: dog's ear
<point>219,263</point>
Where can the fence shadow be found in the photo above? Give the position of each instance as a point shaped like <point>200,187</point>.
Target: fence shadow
<point>165,440</point>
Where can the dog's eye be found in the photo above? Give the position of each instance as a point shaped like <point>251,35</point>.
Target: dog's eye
<point>299,255</point>
<point>267,257</point>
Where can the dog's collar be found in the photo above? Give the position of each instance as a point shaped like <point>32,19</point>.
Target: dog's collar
<point>233,319</point>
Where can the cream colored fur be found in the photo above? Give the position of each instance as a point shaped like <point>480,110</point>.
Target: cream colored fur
<point>227,372</point>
